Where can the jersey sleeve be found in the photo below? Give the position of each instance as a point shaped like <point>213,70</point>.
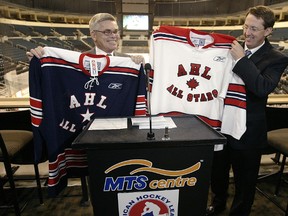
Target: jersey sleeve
<point>36,105</point>
<point>234,112</point>
<point>141,102</point>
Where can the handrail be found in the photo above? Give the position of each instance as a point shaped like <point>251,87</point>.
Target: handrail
<point>14,103</point>
<point>277,99</point>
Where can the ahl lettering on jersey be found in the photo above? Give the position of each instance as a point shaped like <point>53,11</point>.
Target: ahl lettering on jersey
<point>88,102</point>
<point>196,70</point>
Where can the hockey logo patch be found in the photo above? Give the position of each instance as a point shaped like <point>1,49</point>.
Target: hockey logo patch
<point>198,42</point>
<point>116,86</point>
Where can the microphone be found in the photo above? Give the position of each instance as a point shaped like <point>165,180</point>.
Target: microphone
<point>147,68</point>
<point>150,134</point>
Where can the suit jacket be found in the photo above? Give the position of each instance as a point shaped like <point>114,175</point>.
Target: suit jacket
<point>93,51</point>
<point>261,74</point>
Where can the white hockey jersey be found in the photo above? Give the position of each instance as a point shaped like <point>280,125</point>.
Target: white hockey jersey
<point>191,74</point>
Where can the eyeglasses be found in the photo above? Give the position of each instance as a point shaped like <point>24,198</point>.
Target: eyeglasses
<point>252,28</point>
<point>108,32</point>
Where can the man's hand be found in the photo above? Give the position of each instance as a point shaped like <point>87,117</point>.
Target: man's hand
<point>237,50</point>
<point>138,59</point>
<point>38,52</point>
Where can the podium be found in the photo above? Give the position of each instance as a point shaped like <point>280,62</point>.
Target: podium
<point>130,175</point>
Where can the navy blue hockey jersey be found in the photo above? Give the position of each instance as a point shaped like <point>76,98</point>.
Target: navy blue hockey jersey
<point>67,90</point>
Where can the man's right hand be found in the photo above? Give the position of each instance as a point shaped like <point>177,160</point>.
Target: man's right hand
<point>38,52</point>
<point>237,50</point>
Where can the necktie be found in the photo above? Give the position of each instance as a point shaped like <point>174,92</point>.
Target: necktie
<point>248,52</point>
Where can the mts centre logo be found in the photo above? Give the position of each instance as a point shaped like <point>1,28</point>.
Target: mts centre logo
<point>162,197</point>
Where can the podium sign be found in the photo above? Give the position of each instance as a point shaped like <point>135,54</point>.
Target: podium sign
<point>130,175</point>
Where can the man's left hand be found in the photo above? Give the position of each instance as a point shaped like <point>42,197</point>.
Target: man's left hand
<point>138,59</point>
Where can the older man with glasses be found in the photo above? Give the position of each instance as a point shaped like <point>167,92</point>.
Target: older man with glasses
<point>260,66</point>
<point>104,31</point>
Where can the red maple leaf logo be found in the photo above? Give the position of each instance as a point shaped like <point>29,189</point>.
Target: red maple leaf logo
<point>192,83</point>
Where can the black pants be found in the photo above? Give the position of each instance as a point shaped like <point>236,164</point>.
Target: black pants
<point>245,165</point>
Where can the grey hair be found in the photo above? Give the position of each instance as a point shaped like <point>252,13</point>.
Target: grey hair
<point>100,17</point>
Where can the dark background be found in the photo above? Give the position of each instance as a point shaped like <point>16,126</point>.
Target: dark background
<point>166,8</point>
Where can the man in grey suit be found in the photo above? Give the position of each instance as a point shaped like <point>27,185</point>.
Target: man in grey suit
<point>104,31</point>
<point>260,70</point>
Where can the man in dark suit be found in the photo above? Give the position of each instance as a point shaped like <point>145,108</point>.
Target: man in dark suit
<point>104,32</point>
<point>260,70</point>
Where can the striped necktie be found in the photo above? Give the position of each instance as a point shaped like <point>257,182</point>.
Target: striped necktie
<point>248,52</point>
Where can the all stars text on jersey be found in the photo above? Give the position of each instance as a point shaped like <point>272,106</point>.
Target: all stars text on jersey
<point>198,97</point>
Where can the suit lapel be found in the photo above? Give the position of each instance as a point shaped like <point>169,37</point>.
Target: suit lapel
<point>259,54</point>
